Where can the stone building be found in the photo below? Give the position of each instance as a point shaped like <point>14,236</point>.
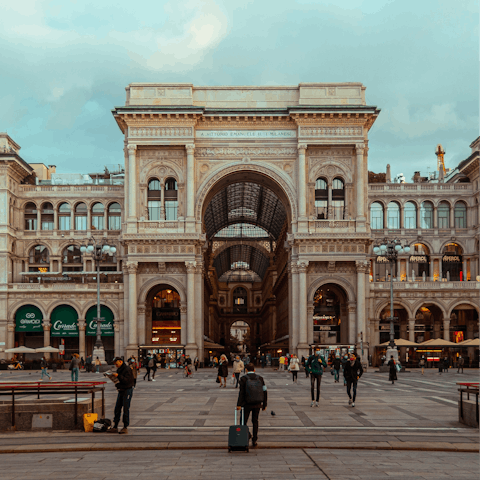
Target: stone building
<point>236,204</point>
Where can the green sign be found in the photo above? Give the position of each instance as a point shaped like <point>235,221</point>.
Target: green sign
<point>107,322</point>
<point>64,322</point>
<point>28,319</point>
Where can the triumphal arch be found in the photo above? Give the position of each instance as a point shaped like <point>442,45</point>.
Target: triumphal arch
<point>245,204</point>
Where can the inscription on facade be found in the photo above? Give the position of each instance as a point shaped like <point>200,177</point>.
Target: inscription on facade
<point>245,134</point>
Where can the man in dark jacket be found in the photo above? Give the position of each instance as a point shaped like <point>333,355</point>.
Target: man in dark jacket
<point>336,364</point>
<point>353,370</point>
<point>249,384</point>
<point>124,396</point>
<point>315,366</point>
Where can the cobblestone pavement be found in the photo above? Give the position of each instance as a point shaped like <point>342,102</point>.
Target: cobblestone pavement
<point>260,464</point>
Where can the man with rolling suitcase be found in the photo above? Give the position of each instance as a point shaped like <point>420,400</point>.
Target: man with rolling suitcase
<point>252,397</point>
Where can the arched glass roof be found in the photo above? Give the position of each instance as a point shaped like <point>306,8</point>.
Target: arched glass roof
<point>241,258</point>
<point>245,202</point>
<point>242,230</point>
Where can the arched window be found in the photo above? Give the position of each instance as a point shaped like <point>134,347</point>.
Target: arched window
<point>460,215</point>
<point>410,215</point>
<point>39,259</point>
<point>240,300</point>
<point>420,261</point>
<point>426,215</point>
<point>321,199</point>
<point>171,199</point>
<point>114,216</point>
<point>393,215</point>
<point>98,222</point>
<point>64,216</point>
<point>47,216</point>
<point>154,199</point>
<point>81,216</point>
<point>72,259</point>
<point>452,262</point>
<point>376,216</point>
<point>443,214</point>
<point>30,216</point>
<point>338,199</point>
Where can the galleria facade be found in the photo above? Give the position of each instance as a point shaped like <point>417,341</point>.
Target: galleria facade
<point>248,204</point>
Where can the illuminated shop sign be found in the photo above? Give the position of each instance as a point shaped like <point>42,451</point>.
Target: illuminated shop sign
<point>452,258</point>
<point>418,259</point>
<point>382,259</point>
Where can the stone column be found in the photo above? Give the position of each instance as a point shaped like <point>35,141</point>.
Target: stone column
<point>348,200</point>
<point>446,329</point>
<point>142,334</point>
<point>10,334</point>
<point>352,311</point>
<point>55,218</point>
<point>132,348</point>
<point>132,183</point>
<point>116,339</point>
<point>199,320</point>
<point>124,330</point>
<point>302,308</point>
<point>330,199</point>
<point>309,324</point>
<point>162,200</point>
<point>82,325</point>
<point>190,187</point>
<point>435,217</point>
<point>360,148</point>
<point>376,333</point>
<point>411,329</point>
<point>72,219</point>
<point>46,335</point>
<point>39,217</point>
<point>89,219</point>
<point>191,346</point>
<point>385,217</point>
<point>301,184</point>
<point>294,307</point>
<point>183,324</point>
<point>452,217</point>
<point>362,268</point>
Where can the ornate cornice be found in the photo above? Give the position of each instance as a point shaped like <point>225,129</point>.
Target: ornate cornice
<point>330,131</point>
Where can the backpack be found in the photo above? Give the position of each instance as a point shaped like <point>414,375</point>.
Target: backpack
<point>254,390</point>
<point>102,425</point>
<point>150,363</point>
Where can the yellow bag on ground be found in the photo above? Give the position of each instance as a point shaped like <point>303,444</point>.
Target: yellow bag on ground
<point>88,420</point>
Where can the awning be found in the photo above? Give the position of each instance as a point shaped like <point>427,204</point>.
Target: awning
<point>438,342</point>
<point>213,346</point>
<point>473,342</point>
<point>400,342</point>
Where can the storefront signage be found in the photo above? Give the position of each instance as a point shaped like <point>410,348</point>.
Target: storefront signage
<point>452,258</point>
<point>326,328</point>
<point>245,133</point>
<point>382,259</point>
<point>64,328</point>
<point>107,327</point>
<point>166,314</point>
<point>28,319</point>
<point>418,259</point>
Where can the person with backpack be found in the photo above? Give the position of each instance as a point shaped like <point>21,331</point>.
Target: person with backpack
<point>252,396</point>
<point>153,368</point>
<point>148,366</point>
<point>315,365</point>
<point>353,371</point>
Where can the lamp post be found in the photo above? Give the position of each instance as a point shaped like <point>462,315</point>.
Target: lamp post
<point>99,252</point>
<point>390,249</point>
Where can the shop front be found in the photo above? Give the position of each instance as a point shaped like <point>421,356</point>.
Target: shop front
<point>29,329</point>
<point>106,328</point>
<point>64,331</point>
<point>167,356</point>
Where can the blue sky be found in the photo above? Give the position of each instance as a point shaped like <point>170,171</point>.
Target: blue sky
<point>65,65</point>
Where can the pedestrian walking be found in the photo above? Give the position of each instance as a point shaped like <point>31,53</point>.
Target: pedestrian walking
<point>44,366</point>
<point>421,364</point>
<point>124,396</point>
<point>294,367</point>
<point>88,364</point>
<point>196,363</point>
<point>82,362</point>
<point>238,366</point>
<point>281,363</point>
<point>303,365</point>
<point>188,366</point>
<point>262,360</point>
<point>97,365</point>
<point>223,371</point>
<point>392,374</point>
<point>315,365</point>
<point>74,367</point>
<point>252,396</point>
<point>353,371</point>
<point>446,364</point>
<point>344,360</point>
<point>336,364</point>
<point>148,366</point>
<point>153,367</point>
<point>133,365</point>
<point>460,363</point>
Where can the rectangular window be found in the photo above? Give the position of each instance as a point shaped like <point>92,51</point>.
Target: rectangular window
<point>154,210</point>
<point>321,209</point>
<point>460,220</point>
<point>98,223</point>
<point>64,223</point>
<point>114,222</point>
<point>377,219</point>
<point>80,223</point>
<point>30,224</point>
<point>426,218</point>
<point>443,220</point>
<point>171,208</point>
<point>47,224</point>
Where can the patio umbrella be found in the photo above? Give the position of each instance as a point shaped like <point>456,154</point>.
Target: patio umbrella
<point>47,350</point>
<point>20,350</point>
<point>473,342</point>
<point>438,342</point>
<point>400,342</point>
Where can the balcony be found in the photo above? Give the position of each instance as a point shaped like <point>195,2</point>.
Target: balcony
<point>420,285</point>
<point>419,187</point>
<point>323,226</point>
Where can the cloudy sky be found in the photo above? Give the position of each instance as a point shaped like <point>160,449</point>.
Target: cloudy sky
<point>65,65</point>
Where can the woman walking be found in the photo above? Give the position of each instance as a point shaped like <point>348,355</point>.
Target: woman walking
<point>294,367</point>
<point>223,371</point>
<point>392,375</point>
<point>74,367</point>
<point>97,365</point>
<point>238,366</point>
<point>44,366</point>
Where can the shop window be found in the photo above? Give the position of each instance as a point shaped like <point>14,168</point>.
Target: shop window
<point>72,259</point>
<point>321,199</point>
<point>166,321</point>
<point>30,216</point>
<point>443,214</point>
<point>81,216</point>
<point>98,218</point>
<point>460,215</point>
<point>376,216</point>
<point>39,259</point>
<point>410,215</point>
<point>171,199</point>
<point>47,216</point>
<point>114,216</point>
<point>426,215</point>
<point>393,215</point>
<point>338,199</point>
<point>64,216</point>
<point>240,300</point>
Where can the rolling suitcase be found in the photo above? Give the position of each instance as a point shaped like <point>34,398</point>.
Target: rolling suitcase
<point>238,435</point>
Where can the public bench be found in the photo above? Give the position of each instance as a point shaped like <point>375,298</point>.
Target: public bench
<point>22,411</point>
<point>468,407</point>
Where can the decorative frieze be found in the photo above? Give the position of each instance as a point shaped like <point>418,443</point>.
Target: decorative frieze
<point>245,152</point>
<point>149,249</point>
<point>160,132</point>
<point>333,131</point>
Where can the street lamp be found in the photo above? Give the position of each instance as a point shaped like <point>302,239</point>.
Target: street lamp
<point>390,249</point>
<point>99,252</point>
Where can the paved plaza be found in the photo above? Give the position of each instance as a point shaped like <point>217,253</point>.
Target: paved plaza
<point>179,427</point>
